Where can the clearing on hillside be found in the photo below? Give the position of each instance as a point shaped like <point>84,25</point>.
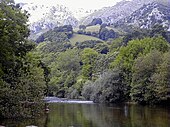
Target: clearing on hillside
<point>82,38</point>
<point>96,28</point>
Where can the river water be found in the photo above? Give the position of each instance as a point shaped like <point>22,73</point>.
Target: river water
<point>97,115</point>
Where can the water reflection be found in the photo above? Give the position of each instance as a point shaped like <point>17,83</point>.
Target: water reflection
<point>95,115</point>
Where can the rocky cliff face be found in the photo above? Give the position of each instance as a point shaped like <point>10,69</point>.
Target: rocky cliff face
<point>48,17</point>
<point>148,16</point>
<point>113,14</point>
<point>141,13</point>
<point>44,17</point>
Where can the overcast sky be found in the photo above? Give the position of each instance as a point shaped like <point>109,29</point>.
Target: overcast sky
<point>87,4</point>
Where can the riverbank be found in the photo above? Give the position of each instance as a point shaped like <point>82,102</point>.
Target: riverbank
<point>65,100</point>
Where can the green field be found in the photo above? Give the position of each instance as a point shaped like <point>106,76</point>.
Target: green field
<point>96,28</point>
<point>90,28</point>
<point>81,38</point>
<point>93,28</point>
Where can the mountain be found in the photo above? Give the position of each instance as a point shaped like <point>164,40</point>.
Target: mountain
<point>148,16</point>
<point>44,17</point>
<point>47,17</point>
<point>114,13</point>
<point>80,13</point>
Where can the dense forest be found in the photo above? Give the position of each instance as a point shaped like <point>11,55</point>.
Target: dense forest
<point>110,66</point>
<point>22,80</point>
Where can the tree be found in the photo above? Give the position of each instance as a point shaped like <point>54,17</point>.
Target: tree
<point>161,80</point>
<point>88,58</point>
<point>158,30</point>
<point>88,33</point>
<point>109,88</point>
<point>135,48</point>
<point>105,34</point>
<point>83,27</point>
<point>150,80</point>
<point>144,68</point>
<point>21,79</point>
<point>64,71</point>
<point>22,96</point>
<point>46,72</point>
<point>136,33</point>
<point>87,90</point>
<point>96,21</point>
<point>13,31</point>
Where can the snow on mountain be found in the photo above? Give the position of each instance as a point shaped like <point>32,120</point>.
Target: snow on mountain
<point>148,16</point>
<point>47,17</point>
<point>80,13</point>
<point>114,13</point>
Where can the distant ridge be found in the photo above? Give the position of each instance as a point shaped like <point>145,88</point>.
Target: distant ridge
<point>47,17</point>
<point>149,15</point>
<point>119,11</point>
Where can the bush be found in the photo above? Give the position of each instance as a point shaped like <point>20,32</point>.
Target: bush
<point>87,90</point>
<point>107,89</point>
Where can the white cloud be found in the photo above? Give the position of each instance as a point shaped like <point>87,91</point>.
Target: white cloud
<point>87,4</point>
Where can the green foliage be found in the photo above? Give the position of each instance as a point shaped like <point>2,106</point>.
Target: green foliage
<point>158,30</point>
<point>82,27</point>
<point>107,89</point>
<point>78,38</point>
<point>136,33</point>
<point>58,34</point>
<point>144,68</point>
<point>116,43</point>
<point>87,44</point>
<point>22,97</point>
<point>21,78</point>
<point>69,61</point>
<point>161,79</point>
<point>88,58</point>
<point>13,30</point>
<point>52,36</point>
<point>96,21</point>
<point>87,90</point>
<point>81,31</point>
<point>64,71</point>
<point>102,64</point>
<point>136,48</point>
<point>102,32</point>
<point>53,47</point>
<point>105,34</point>
<point>150,79</point>
<point>102,48</point>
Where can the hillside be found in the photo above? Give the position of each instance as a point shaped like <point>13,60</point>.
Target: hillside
<point>82,38</point>
<point>115,13</point>
<point>94,28</point>
<point>97,28</point>
<point>42,16</point>
<point>47,17</point>
<point>148,16</point>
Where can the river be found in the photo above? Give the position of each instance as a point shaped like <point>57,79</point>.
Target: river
<point>87,114</point>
